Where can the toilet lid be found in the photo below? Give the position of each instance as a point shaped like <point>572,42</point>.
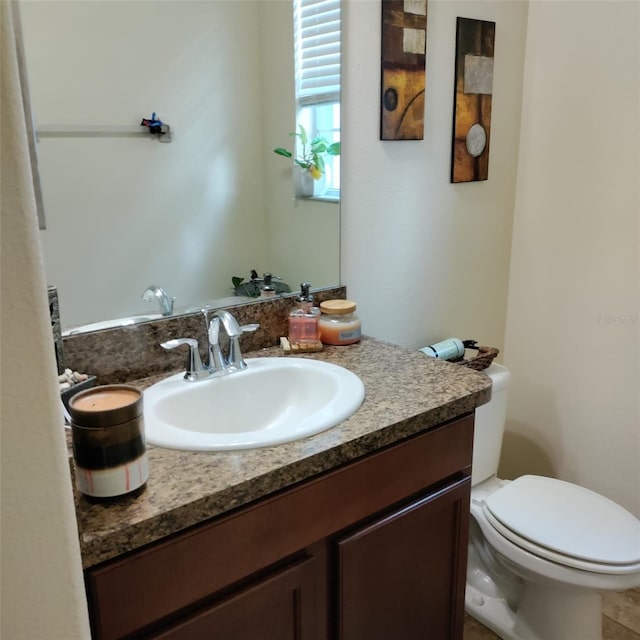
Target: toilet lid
<point>566,519</point>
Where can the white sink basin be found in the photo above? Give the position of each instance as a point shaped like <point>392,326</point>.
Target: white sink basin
<point>273,400</point>
<point>110,324</point>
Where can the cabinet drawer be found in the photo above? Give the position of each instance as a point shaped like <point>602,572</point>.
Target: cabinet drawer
<point>130,593</point>
<point>281,605</point>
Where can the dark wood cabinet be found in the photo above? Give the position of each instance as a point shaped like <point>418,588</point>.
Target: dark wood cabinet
<point>399,577</point>
<point>375,549</point>
<point>281,606</point>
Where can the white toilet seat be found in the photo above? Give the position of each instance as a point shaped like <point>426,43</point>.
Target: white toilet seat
<point>548,554</point>
<point>566,524</point>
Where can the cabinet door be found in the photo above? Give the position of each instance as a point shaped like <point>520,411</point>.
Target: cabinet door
<point>403,576</point>
<point>282,606</point>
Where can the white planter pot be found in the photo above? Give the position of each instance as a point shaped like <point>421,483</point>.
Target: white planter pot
<point>302,181</point>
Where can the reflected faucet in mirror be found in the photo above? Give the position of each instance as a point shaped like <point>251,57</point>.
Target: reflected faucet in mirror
<point>165,302</point>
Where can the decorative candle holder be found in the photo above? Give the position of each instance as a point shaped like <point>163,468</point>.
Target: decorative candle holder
<point>109,449</point>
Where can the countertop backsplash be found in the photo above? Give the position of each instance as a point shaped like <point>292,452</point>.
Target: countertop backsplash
<point>128,353</point>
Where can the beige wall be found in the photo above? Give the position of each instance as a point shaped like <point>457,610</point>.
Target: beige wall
<point>573,322</point>
<point>423,258</point>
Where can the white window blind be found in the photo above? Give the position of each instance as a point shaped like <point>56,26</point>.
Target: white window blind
<point>317,43</point>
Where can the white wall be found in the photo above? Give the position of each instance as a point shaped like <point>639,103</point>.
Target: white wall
<point>423,258</point>
<point>124,213</point>
<point>573,321</point>
<point>132,212</point>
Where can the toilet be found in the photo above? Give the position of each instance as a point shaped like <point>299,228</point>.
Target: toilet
<point>541,550</point>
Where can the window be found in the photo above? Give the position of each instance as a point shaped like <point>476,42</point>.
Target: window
<point>317,56</point>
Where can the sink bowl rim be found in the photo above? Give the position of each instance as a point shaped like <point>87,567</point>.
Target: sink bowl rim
<point>344,403</point>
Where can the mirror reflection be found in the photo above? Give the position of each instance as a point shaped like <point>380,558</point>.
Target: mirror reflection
<point>125,212</point>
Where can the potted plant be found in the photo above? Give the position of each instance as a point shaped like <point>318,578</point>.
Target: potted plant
<point>310,160</point>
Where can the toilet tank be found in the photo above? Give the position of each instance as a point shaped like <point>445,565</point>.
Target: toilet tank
<point>489,426</point>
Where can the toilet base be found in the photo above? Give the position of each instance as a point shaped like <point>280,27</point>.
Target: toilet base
<point>493,612</point>
<point>543,613</point>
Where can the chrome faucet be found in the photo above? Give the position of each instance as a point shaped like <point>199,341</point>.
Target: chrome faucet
<point>217,364</point>
<point>165,302</point>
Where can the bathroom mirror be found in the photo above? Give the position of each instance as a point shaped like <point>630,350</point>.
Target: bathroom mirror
<point>125,210</point>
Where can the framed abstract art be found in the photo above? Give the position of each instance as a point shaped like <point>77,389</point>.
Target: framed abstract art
<point>475,40</point>
<point>404,40</point>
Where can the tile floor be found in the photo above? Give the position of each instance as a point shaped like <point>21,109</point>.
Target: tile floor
<point>620,619</point>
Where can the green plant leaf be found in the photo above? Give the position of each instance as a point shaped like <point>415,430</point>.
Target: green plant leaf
<point>282,287</point>
<point>283,152</point>
<point>250,289</point>
<point>319,145</point>
<point>310,154</point>
<point>303,134</point>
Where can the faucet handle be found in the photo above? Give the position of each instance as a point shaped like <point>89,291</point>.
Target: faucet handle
<point>195,369</point>
<point>236,361</point>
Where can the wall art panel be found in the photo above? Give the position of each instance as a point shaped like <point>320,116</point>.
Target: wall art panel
<point>404,40</point>
<point>475,40</point>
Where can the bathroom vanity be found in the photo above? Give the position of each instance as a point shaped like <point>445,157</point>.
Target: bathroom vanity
<point>357,532</point>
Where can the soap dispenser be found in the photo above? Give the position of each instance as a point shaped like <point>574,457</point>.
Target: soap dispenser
<point>267,290</point>
<point>303,319</point>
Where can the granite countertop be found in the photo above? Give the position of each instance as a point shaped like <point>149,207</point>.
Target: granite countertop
<point>406,393</point>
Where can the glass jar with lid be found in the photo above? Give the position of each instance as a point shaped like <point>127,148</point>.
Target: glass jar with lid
<point>339,324</point>
<point>107,433</point>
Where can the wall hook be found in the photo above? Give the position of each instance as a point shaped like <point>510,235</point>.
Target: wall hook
<point>157,127</point>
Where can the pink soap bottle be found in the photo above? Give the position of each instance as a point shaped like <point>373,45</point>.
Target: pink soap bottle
<point>303,319</point>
